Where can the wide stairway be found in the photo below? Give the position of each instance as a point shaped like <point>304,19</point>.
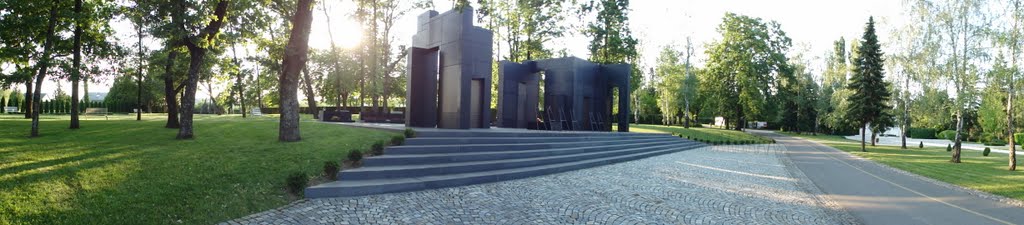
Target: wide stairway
<point>439,159</point>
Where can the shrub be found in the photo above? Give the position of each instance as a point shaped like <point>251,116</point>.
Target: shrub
<point>995,142</point>
<point>377,148</point>
<point>947,134</point>
<point>397,140</point>
<point>949,148</point>
<point>331,170</point>
<point>297,182</point>
<point>927,133</point>
<point>1017,137</point>
<point>985,153</point>
<point>409,133</point>
<point>920,145</point>
<point>355,155</point>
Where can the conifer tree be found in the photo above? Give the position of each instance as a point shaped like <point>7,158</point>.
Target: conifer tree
<point>870,90</point>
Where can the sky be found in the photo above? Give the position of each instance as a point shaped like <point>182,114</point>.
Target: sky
<point>812,25</point>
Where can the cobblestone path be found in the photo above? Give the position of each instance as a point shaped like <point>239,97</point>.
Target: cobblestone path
<point>711,185</point>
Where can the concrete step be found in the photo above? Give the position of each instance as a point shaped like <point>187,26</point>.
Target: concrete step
<point>511,140</point>
<point>524,133</point>
<point>404,171</point>
<point>347,188</point>
<point>464,148</point>
<point>420,159</point>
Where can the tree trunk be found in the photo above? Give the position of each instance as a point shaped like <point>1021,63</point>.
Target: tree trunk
<point>295,56</point>
<point>956,140</point>
<point>874,138</point>
<point>76,71</point>
<point>238,79</point>
<point>863,148</point>
<point>188,99</point>
<point>44,64</point>
<point>310,95</point>
<point>739,119</point>
<point>29,97</point>
<point>138,97</point>
<point>170,94</point>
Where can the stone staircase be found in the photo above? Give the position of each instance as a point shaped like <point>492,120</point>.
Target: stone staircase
<point>439,159</point>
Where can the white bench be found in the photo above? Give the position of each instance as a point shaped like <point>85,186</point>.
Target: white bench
<point>256,112</point>
<point>10,109</point>
<point>96,111</point>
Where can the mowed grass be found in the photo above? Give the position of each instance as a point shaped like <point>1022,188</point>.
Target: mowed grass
<point>988,174</point>
<point>121,171</point>
<point>708,134</point>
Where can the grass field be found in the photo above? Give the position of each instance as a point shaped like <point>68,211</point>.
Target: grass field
<point>710,134</point>
<point>975,171</point>
<point>121,171</point>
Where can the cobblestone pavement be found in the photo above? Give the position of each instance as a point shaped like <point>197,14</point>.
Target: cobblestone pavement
<point>711,185</point>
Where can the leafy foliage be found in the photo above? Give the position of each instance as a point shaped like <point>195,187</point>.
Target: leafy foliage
<point>743,67</point>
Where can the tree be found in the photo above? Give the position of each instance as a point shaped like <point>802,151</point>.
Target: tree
<point>195,26</point>
<point>668,79</point>
<point>611,40</point>
<point>743,66</point>
<point>1013,40</point>
<point>870,90</point>
<point>962,24</point>
<point>296,54</point>
<point>44,65</point>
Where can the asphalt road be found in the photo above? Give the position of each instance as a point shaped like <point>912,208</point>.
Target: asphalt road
<point>877,195</point>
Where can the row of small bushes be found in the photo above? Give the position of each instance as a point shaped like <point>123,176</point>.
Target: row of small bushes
<point>949,148</point>
<point>730,142</point>
<point>298,181</point>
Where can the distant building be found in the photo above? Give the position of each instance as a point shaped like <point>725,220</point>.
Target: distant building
<point>97,96</point>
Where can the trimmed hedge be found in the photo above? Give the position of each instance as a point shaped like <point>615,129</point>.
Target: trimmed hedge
<point>926,133</point>
<point>947,134</point>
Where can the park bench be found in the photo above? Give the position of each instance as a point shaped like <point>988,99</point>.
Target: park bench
<point>96,112</point>
<point>11,109</point>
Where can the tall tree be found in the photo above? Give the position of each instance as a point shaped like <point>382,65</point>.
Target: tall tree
<point>44,65</point>
<point>1012,38</point>
<point>611,40</point>
<point>296,54</point>
<point>743,66</point>
<point>962,24</point>
<point>870,90</point>
<point>194,25</point>
<point>76,71</point>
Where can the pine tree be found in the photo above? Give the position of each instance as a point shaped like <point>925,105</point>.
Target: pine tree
<point>870,90</point>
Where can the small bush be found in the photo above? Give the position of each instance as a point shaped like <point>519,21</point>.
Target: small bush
<point>397,140</point>
<point>947,134</point>
<point>297,182</point>
<point>987,150</point>
<point>331,170</point>
<point>355,155</point>
<point>409,133</point>
<point>949,148</point>
<point>377,148</point>
<point>1017,137</point>
<point>926,133</point>
<point>920,145</point>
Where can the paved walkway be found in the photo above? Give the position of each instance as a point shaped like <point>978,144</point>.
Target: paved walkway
<point>876,194</point>
<point>712,185</point>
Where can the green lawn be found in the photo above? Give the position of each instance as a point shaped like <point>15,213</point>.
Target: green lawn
<point>975,171</point>
<point>121,171</point>
<point>710,134</point>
